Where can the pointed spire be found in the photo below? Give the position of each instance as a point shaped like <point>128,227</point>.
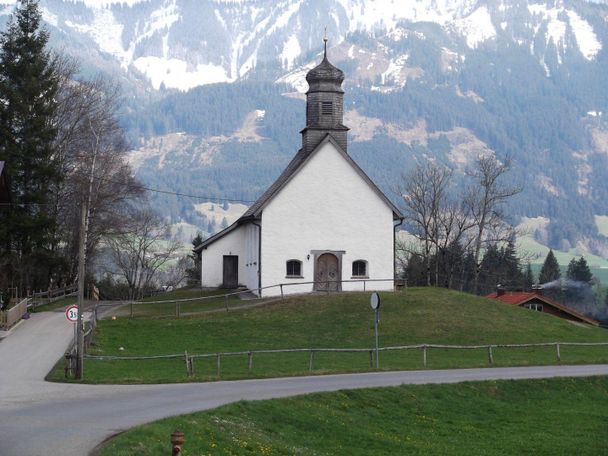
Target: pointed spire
<point>325,44</point>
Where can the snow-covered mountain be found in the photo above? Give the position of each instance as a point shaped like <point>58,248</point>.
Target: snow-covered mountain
<point>183,44</point>
<point>445,79</point>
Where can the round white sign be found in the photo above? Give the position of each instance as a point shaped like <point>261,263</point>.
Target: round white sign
<point>374,300</point>
<point>71,313</point>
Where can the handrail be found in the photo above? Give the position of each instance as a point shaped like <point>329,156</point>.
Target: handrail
<point>250,290</point>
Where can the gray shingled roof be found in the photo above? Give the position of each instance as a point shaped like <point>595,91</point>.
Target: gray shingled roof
<point>293,167</point>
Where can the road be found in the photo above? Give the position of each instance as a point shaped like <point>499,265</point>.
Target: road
<point>41,418</point>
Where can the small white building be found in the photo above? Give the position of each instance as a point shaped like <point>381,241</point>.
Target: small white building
<point>323,220</point>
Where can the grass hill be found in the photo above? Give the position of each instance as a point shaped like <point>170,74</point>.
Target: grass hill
<point>416,316</point>
<point>540,417</point>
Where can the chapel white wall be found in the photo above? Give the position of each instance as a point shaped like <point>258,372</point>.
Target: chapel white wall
<point>327,206</point>
<point>242,242</point>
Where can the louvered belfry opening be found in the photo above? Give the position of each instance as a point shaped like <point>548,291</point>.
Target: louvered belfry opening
<point>324,106</point>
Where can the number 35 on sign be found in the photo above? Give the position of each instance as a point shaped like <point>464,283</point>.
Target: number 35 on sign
<point>71,313</point>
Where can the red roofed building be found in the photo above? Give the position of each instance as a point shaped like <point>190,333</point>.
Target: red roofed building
<point>534,300</point>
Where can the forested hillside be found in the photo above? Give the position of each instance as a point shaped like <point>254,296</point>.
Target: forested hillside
<point>445,81</point>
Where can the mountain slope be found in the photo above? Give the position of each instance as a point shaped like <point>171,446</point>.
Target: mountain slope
<point>446,79</point>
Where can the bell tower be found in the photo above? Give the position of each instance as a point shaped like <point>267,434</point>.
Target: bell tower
<point>324,105</point>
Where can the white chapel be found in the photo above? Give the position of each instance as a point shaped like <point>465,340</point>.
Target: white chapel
<point>323,225</point>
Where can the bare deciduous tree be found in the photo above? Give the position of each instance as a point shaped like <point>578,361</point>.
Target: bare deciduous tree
<point>484,200</point>
<point>424,193</point>
<point>91,149</point>
<point>141,250</point>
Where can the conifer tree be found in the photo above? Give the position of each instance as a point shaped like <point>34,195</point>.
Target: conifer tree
<point>578,271</point>
<point>528,277</point>
<point>550,269</point>
<point>28,89</point>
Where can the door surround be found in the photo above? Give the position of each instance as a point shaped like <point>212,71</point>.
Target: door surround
<point>338,254</point>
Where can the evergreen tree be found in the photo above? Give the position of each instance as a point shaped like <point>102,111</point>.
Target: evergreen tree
<point>194,274</point>
<point>578,271</point>
<point>511,273</point>
<point>28,89</point>
<point>528,277</point>
<point>550,269</point>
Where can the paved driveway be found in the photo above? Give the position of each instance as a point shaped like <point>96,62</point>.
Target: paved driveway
<point>41,418</point>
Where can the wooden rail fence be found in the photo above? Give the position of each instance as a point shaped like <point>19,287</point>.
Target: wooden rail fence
<point>47,297</point>
<point>189,359</point>
<point>11,316</point>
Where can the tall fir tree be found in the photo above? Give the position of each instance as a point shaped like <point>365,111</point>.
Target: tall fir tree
<point>550,270</point>
<point>528,278</point>
<point>578,271</point>
<point>28,89</point>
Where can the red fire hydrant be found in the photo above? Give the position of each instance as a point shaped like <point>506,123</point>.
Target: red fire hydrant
<point>177,440</point>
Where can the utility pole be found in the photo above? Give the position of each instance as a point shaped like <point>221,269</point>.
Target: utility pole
<point>85,212</point>
<point>81,263</point>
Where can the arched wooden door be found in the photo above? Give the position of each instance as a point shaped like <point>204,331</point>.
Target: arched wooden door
<point>328,275</point>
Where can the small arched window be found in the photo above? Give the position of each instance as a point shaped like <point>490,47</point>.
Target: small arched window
<point>294,268</point>
<point>360,268</point>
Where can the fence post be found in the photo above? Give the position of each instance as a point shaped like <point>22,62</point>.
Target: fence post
<point>490,355</point>
<point>218,366</point>
<point>249,361</point>
<point>187,363</point>
<point>559,356</point>
<point>364,285</point>
<point>371,359</point>
<point>226,302</point>
<point>424,355</point>
<point>281,286</point>
<point>131,310</point>
<point>311,360</point>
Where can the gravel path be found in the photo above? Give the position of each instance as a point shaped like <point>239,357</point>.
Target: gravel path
<point>41,418</point>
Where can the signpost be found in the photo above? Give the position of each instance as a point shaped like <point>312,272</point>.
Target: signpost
<point>375,304</point>
<point>71,313</point>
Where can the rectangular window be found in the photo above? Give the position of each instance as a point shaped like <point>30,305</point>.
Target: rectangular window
<point>359,268</point>
<point>294,268</point>
<point>327,108</point>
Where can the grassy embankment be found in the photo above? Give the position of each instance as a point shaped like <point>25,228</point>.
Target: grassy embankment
<point>536,417</point>
<point>57,305</point>
<point>420,315</point>
<point>164,304</point>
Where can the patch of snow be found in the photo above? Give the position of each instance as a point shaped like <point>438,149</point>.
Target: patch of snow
<point>291,51</point>
<point>546,183</point>
<point>108,3</point>
<point>398,34</point>
<point>394,72</point>
<point>586,39</point>
<point>49,17</point>
<point>174,73</point>
<point>297,78</point>
<point>477,27</point>
<point>107,33</point>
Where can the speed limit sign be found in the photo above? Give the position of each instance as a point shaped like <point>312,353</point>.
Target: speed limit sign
<point>71,313</point>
